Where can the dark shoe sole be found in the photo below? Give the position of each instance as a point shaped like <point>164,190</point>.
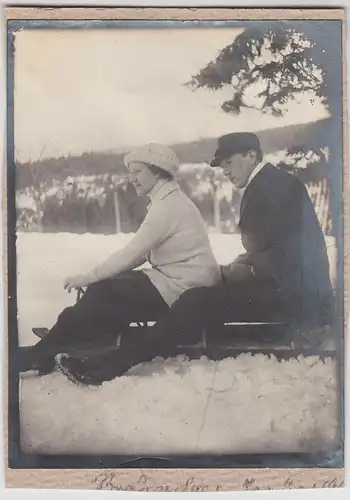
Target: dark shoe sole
<point>63,370</point>
<point>59,359</point>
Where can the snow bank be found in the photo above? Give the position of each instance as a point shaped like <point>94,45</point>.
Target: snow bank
<point>247,404</point>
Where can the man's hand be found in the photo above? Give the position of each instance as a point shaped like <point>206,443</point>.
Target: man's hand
<point>240,259</point>
<point>236,272</point>
<point>75,282</point>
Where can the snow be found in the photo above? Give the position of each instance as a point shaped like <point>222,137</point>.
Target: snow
<point>246,404</point>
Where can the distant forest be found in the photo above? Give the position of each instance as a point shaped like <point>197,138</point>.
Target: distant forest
<point>201,151</point>
<point>90,192</point>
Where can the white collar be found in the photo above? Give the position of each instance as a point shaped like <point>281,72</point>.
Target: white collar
<point>255,171</point>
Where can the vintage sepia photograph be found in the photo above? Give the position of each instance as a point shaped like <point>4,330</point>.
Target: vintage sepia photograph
<point>176,241</point>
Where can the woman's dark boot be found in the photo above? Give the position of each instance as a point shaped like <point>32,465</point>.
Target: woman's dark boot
<point>28,361</point>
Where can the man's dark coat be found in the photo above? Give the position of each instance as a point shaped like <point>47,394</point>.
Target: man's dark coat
<point>284,241</point>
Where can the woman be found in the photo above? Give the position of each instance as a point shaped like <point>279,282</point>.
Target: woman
<point>174,241</point>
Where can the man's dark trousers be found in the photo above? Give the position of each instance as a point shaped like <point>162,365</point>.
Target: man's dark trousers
<point>247,301</point>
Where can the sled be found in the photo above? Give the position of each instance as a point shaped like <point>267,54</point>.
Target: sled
<point>230,339</point>
<point>216,348</point>
<point>213,352</point>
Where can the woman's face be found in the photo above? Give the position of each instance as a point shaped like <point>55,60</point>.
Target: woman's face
<point>142,178</point>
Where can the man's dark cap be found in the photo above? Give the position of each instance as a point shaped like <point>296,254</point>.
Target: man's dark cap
<point>237,142</point>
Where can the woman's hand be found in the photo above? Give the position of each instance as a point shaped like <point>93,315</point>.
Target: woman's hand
<point>75,282</point>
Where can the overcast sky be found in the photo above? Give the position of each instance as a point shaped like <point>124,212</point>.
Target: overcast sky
<point>95,90</point>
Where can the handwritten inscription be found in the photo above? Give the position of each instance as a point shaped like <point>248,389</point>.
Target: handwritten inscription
<point>289,483</point>
<point>111,481</point>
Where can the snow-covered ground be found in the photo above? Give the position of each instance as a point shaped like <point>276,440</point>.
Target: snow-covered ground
<point>251,403</point>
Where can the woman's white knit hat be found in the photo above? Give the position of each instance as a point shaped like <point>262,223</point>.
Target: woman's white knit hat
<point>154,154</point>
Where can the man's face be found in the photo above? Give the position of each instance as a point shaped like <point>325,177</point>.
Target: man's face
<point>238,168</point>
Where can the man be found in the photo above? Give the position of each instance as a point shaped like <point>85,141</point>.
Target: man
<point>284,273</point>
